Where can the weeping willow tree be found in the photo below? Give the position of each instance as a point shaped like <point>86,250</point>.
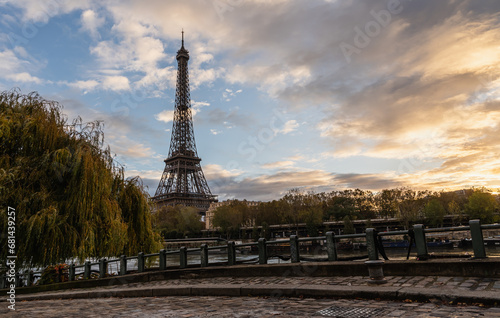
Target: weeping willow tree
<point>71,199</point>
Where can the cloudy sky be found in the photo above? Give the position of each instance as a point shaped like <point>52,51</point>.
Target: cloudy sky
<point>318,95</point>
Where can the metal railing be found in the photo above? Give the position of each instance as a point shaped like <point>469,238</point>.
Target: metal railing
<point>417,233</point>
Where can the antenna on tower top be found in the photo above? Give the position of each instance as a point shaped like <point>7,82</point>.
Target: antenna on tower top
<point>183,37</point>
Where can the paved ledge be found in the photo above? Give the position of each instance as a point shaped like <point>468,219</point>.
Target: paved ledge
<point>443,289</point>
<point>479,268</point>
<point>448,296</point>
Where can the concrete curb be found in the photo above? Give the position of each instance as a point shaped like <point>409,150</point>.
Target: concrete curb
<point>489,268</point>
<point>366,292</point>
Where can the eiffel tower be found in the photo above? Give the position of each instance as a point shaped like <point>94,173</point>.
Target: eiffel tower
<point>183,181</point>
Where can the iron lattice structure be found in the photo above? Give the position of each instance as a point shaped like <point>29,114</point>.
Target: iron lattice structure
<point>183,181</point>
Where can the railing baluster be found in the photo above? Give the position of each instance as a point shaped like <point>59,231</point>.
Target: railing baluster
<point>477,239</point>
<point>103,268</point>
<point>86,272</point>
<point>71,274</point>
<point>140,262</point>
<point>420,242</point>
<point>60,275</point>
<point>331,247</point>
<point>204,255</point>
<point>183,257</point>
<point>294,249</point>
<point>18,280</point>
<point>163,260</point>
<point>371,238</point>
<point>123,265</point>
<point>262,251</point>
<point>30,278</point>
<point>231,253</point>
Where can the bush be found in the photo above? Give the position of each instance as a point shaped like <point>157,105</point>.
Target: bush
<point>53,274</point>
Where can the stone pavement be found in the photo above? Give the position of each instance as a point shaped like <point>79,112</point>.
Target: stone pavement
<point>432,282</point>
<point>207,306</point>
<point>416,296</point>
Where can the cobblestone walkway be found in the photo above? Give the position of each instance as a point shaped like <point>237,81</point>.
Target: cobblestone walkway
<point>233,307</point>
<point>432,282</point>
<point>223,306</point>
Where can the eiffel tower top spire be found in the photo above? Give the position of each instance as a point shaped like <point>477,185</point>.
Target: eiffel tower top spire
<point>182,51</point>
<point>182,141</point>
<point>183,181</point>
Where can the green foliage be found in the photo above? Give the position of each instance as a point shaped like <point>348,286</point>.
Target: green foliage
<point>274,212</point>
<point>292,202</point>
<point>230,218</point>
<point>255,233</point>
<point>342,207</point>
<point>455,209</point>
<point>434,212</point>
<point>368,224</point>
<point>410,206</point>
<point>71,200</point>
<point>177,222</point>
<point>265,233</point>
<point>482,205</point>
<point>310,212</point>
<point>348,226</point>
<point>136,212</point>
<point>388,202</point>
<point>49,275</point>
<point>53,274</point>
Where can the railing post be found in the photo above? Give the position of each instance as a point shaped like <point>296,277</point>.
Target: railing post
<point>86,272</point>
<point>60,275</point>
<point>71,272</point>
<point>140,262</point>
<point>204,255</point>
<point>477,239</point>
<point>331,247</point>
<point>183,257</point>
<point>30,278</point>
<point>231,253</point>
<point>103,268</point>
<point>19,281</point>
<point>163,260</point>
<point>294,249</point>
<point>262,251</point>
<point>123,265</point>
<point>420,242</point>
<point>371,239</point>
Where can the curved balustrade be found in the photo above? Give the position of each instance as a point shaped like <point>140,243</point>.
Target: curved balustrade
<point>84,271</point>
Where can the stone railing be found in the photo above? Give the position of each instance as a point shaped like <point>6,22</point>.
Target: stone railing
<point>372,237</point>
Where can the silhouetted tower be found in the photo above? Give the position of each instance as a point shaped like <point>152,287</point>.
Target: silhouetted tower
<point>183,181</point>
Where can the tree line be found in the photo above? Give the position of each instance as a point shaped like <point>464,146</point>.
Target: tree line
<point>410,206</point>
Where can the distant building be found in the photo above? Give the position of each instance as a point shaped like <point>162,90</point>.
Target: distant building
<point>213,206</point>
